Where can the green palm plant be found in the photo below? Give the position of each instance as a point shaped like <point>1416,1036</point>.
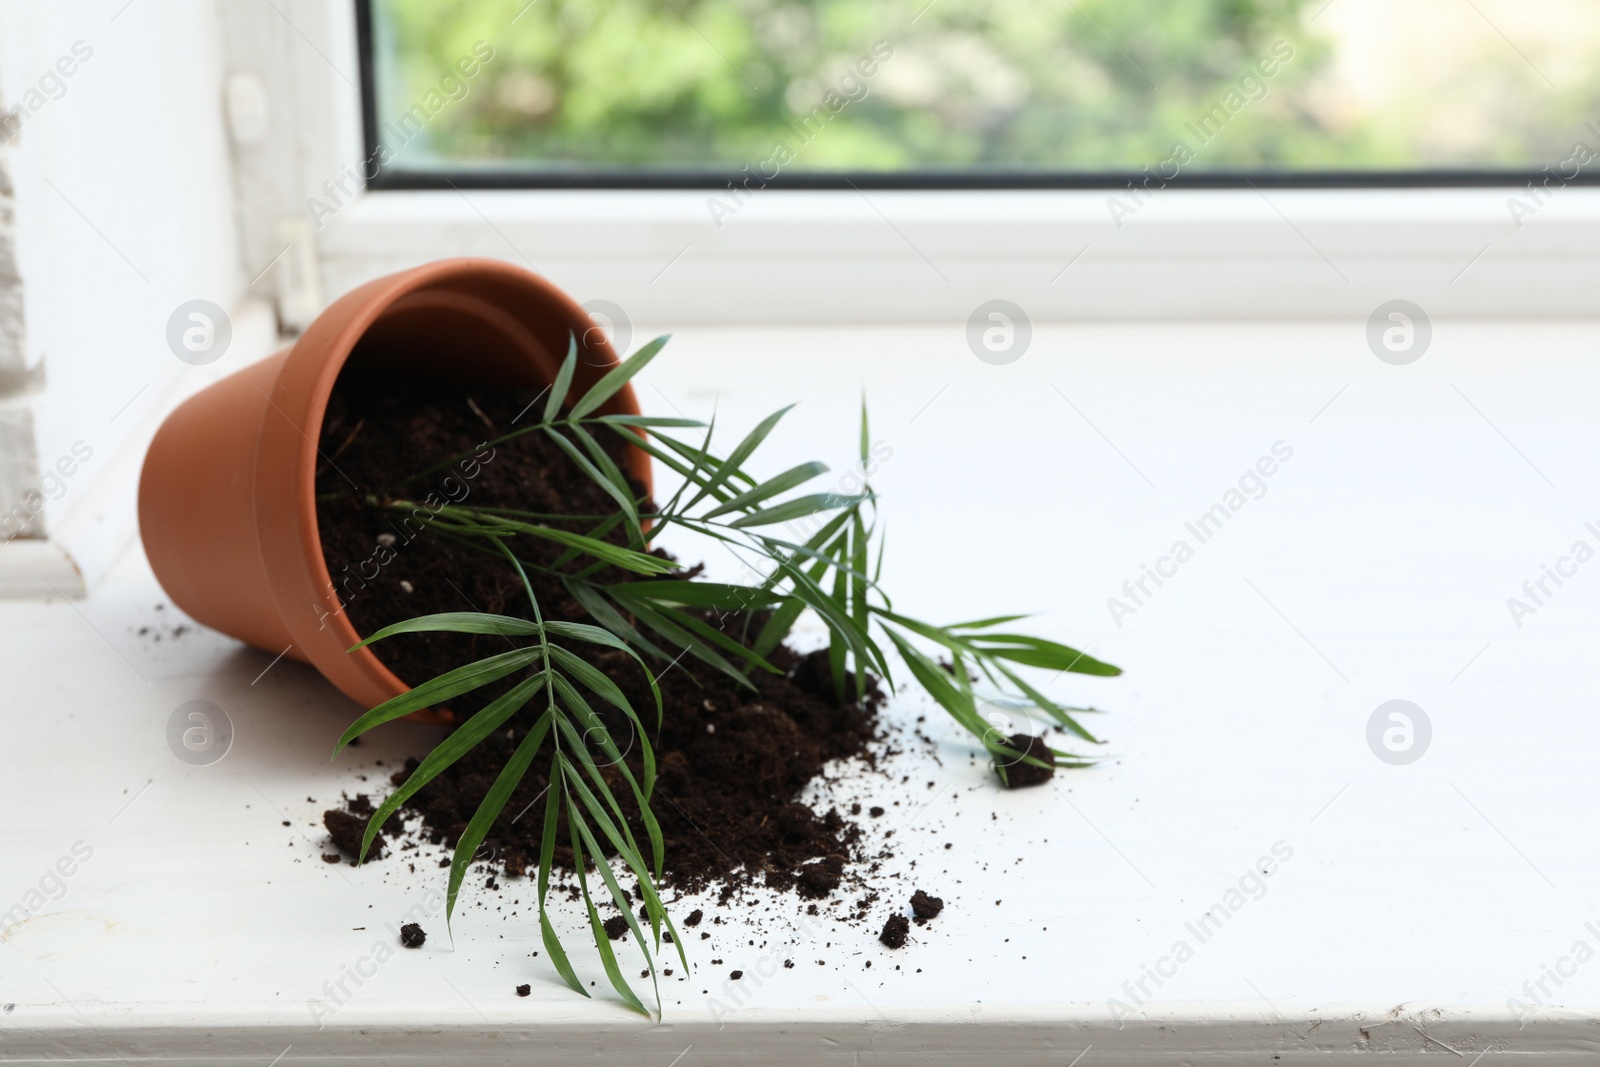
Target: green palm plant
<point>637,608</point>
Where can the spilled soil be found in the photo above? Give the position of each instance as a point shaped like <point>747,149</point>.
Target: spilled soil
<point>731,759</point>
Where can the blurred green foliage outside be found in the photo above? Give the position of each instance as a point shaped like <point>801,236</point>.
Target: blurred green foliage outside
<point>1091,85</point>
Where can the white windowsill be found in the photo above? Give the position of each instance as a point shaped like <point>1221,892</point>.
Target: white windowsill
<point>1376,566</point>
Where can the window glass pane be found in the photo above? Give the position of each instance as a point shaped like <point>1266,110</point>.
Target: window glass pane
<point>1076,85</point>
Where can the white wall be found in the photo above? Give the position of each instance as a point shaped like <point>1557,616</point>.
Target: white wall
<point>123,211</point>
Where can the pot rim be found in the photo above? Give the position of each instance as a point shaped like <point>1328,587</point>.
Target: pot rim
<point>323,360</point>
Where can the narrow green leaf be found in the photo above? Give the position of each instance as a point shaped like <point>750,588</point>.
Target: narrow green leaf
<point>777,626</point>
<point>597,532</point>
<point>461,741</point>
<point>1018,648</point>
<point>494,801</point>
<point>618,556</point>
<point>594,635</point>
<point>563,383</point>
<point>780,622</point>
<point>547,851</point>
<point>798,508</point>
<point>446,686</point>
<point>714,596</point>
<point>1037,652</point>
<point>460,622</point>
<point>958,674</point>
<point>621,494</point>
<point>984,624</point>
<point>640,796</point>
<point>724,470</point>
<point>602,460</point>
<point>859,609</point>
<point>704,459</point>
<point>866,437</point>
<point>700,459</point>
<point>658,621</point>
<point>928,630</point>
<point>635,863</point>
<point>616,378</point>
<point>861,644</point>
<point>597,682</point>
<point>690,474</point>
<point>650,421</point>
<point>595,604</point>
<point>579,746</point>
<point>782,483</point>
<point>825,554</point>
<point>684,622</point>
<point>940,686</point>
<point>1050,707</point>
<point>602,943</point>
<point>837,648</point>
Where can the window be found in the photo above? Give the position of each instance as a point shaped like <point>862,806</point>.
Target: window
<point>951,93</point>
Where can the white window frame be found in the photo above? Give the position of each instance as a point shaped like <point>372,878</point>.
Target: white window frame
<point>806,257</point>
<point>792,256</point>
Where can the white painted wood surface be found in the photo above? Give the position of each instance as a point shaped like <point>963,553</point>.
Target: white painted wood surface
<point>898,256</point>
<point>1418,899</point>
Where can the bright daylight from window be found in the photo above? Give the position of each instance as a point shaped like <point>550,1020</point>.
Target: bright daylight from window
<point>966,85</point>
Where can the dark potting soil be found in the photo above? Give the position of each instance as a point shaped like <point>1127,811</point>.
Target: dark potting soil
<point>731,759</point>
<point>346,830</point>
<point>347,825</point>
<point>925,907</point>
<point>1022,773</point>
<point>895,930</point>
<point>413,936</point>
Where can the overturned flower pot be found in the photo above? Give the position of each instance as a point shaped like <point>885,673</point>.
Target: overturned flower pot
<point>227,506</point>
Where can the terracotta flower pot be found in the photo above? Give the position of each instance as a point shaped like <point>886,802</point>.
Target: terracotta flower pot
<point>226,499</point>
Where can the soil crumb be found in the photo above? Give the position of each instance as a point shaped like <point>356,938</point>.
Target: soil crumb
<point>1021,773</point>
<point>925,907</point>
<point>412,935</point>
<point>894,931</point>
<point>346,826</point>
<point>346,830</point>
